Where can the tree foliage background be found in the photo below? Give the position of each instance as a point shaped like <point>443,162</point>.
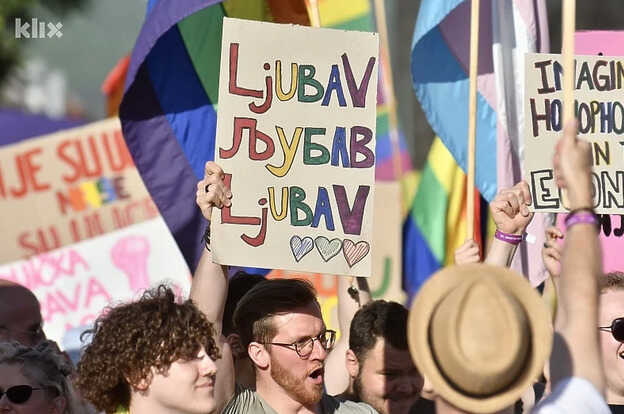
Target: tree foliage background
<point>10,52</point>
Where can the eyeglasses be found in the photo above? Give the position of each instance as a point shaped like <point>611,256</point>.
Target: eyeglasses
<point>19,394</point>
<point>304,347</point>
<point>616,329</point>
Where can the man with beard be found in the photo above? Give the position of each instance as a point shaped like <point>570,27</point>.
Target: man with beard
<point>380,367</point>
<point>279,323</point>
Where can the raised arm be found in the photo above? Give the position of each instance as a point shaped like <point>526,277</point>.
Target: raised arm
<point>209,285</point>
<point>210,282</point>
<point>511,215</point>
<point>337,377</point>
<point>576,349</point>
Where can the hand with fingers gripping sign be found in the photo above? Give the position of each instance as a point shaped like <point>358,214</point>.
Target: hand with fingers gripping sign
<point>572,163</point>
<point>212,191</point>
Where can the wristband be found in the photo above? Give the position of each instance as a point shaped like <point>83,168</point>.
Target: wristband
<point>514,239</point>
<point>582,216</point>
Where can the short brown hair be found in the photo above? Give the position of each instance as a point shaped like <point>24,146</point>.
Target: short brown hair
<point>612,281</point>
<point>378,319</point>
<point>131,339</point>
<point>254,312</point>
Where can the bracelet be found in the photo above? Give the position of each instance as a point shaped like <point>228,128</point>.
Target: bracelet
<point>582,216</point>
<point>206,237</point>
<point>514,239</point>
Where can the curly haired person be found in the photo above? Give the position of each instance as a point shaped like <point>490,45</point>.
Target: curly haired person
<point>151,356</point>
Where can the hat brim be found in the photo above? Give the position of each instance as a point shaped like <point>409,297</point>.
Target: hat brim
<point>421,312</point>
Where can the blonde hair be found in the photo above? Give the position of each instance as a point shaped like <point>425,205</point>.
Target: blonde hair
<point>45,365</point>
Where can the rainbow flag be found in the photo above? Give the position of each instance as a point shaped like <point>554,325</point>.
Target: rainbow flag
<point>440,61</point>
<point>168,112</point>
<point>436,224</point>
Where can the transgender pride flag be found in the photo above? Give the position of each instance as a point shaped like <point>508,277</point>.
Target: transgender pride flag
<point>440,61</point>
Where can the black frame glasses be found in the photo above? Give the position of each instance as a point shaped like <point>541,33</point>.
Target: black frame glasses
<point>304,347</point>
<point>616,329</point>
<point>19,394</point>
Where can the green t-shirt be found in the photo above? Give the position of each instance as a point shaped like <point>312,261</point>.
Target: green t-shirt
<point>248,401</point>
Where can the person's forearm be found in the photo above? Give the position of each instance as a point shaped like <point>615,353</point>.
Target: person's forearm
<point>501,253</point>
<point>209,289</point>
<point>577,319</point>
<point>348,305</point>
<point>337,377</point>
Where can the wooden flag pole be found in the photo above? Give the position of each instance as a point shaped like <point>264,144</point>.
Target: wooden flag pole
<point>313,13</point>
<point>567,50</point>
<point>472,118</point>
<point>388,83</point>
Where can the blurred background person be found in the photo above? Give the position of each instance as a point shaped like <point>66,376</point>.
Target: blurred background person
<point>35,380</point>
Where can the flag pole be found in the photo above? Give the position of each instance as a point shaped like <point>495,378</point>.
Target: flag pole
<point>388,86</point>
<point>472,118</point>
<point>567,50</point>
<point>313,13</point>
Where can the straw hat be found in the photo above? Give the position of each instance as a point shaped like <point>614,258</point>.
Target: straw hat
<point>480,334</point>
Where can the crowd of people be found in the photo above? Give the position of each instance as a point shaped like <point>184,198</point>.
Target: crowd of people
<point>476,339</point>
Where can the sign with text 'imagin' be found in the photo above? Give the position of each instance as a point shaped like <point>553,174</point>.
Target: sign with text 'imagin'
<point>599,108</point>
<point>296,139</point>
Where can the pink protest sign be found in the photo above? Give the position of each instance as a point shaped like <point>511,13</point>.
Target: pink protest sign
<point>608,43</point>
<point>611,238</point>
<point>594,42</point>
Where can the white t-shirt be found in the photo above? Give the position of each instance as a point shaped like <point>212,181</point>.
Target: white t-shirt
<point>573,396</point>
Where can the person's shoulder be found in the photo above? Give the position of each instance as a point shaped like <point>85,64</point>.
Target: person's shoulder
<point>244,399</point>
<point>571,396</point>
<point>340,405</point>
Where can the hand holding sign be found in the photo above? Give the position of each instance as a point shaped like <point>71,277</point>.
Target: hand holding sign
<point>572,164</point>
<point>212,191</point>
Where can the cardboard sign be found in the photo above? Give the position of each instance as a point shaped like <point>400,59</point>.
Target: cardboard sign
<point>75,283</point>
<point>599,108</point>
<point>296,139</point>
<point>385,281</point>
<point>58,189</point>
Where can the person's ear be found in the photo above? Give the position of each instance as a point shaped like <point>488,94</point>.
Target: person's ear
<point>259,355</point>
<point>140,386</point>
<point>59,404</point>
<point>352,363</point>
<point>236,345</point>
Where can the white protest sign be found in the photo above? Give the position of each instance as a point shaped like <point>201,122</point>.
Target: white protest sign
<point>75,283</point>
<point>599,108</point>
<point>296,139</point>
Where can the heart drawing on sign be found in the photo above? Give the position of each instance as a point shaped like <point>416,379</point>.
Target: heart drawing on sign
<point>326,248</point>
<point>300,247</point>
<point>354,252</point>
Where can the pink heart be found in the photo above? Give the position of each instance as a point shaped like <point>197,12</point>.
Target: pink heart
<point>354,252</point>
